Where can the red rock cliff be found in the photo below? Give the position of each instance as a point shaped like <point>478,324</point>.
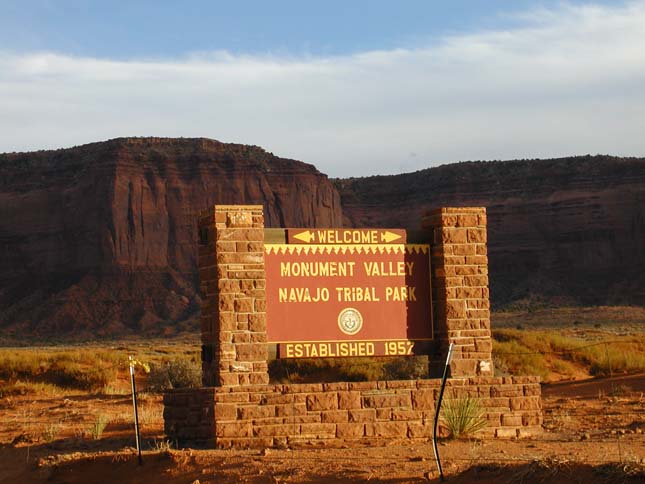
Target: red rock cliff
<point>102,237</point>
<point>562,231</point>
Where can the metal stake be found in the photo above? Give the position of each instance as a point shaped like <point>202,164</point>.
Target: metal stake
<point>436,414</point>
<point>136,413</point>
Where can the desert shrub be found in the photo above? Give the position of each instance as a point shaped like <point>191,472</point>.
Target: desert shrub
<point>541,350</point>
<point>74,375</point>
<point>76,369</point>
<point>406,368</point>
<point>174,374</point>
<point>320,370</point>
<point>308,370</point>
<point>18,387</point>
<point>98,426</point>
<point>517,359</point>
<point>463,416</point>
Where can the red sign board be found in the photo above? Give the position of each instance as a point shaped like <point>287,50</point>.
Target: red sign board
<point>347,300</point>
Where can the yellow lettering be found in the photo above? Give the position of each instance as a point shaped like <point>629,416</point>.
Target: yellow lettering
<point>317,269</point>
<point>403,293</point>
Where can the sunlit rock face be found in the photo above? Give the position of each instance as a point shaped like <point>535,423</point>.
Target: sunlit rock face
<point>102,238</point>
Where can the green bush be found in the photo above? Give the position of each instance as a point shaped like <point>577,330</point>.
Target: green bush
<point>463,416</point>
<point>174,374</point>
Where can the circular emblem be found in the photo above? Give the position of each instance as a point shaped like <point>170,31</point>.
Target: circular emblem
<point>350,321</point>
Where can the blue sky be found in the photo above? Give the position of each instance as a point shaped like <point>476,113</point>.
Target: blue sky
<point>355,87</point>
<point>125,29</point>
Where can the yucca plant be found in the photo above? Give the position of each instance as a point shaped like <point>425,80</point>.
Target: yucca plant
<point>463,416</point>
<point>97,428</point>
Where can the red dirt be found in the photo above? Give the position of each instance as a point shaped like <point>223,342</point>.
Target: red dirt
<point>591,435</point>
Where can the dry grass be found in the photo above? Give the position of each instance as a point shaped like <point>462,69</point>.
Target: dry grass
<point>94,367</point>
<point>83,370</point>
<point>525,352</point>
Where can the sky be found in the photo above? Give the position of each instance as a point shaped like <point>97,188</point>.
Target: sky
<point>355,87</point>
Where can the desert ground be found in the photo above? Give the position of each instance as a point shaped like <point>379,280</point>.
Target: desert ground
<point>594,420</point>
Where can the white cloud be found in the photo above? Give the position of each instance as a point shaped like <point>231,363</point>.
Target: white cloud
<point>567,81</point>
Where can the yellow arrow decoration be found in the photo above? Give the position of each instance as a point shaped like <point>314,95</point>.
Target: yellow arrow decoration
<point>388,237</point>
<point>305,236</point>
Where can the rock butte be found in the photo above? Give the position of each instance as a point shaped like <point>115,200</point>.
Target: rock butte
<point>101,238</point>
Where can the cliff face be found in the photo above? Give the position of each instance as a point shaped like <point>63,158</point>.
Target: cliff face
<point>102,237</point>
<point>563,231</point>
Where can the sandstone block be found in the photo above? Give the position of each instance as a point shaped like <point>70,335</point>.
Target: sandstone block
<point>383,414</point>
<point>470,220</point>
<point>532,419</point>
<point>350,430</point>
<point>334,416</point>
<point>322,401</point>
<point>233,429</point>
<point>289,410</point>
<point>477,235</point>
<point>228,379</point>
<point>509,420</point>
<point>349,400</point>
<point>386,429</point>
<point>507,391</point>
<point>387,400</point>
<point>406,415</point>
<point>225,303</point>
<point>244,305</point>
<point>273,430</point>
<point>251,352</point>
<point>525,403</point>
<point>532,390</point>
<point>259,378</point>
<point>318,430</point>
<point>222,246</point>
<point>327,387</point>
<point>423,399</point>
<point>362,385</point>
<point>239,219</point>
<point>454,235</point>
<point>400,384</point>
<point>249,412</point>
<point>419,430</point>
<point>309,418</point>
<point>455,309</point>
<point>303,388</point>
<point>505,433</point>
<point>362,415</point>
<point>258,322</point>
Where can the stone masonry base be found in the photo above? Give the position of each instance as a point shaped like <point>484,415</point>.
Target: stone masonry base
<point>334,413</point>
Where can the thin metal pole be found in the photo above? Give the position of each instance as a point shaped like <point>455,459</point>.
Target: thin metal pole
<point>436,413</point>
<point>136,412</point>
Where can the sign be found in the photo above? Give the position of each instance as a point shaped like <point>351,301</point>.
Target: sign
<point>328,300</point>
<point>346,236</point>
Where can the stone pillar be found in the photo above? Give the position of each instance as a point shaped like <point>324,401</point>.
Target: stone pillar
<point>232,278</point>
<point>460,288</point>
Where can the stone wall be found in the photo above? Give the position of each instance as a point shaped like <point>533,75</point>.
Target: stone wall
<point>231,271</point>
<point>238,407</point>
<point>460,294</point>
<point>334,413</point>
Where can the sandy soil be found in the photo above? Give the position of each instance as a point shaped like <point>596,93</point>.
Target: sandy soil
<point>593,432</point>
